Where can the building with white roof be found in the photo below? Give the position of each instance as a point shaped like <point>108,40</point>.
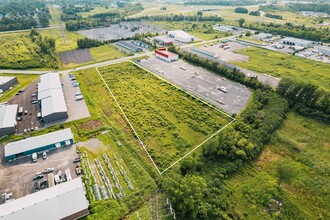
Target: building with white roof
<point>64,201</point>
<point>296,42</point>
<point>8,121</point>
<point>38,144</point>
<point>181,36</point>
<point>6,82</point>
<point>50,94</point>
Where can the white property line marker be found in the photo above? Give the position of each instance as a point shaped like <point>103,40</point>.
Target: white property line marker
<point>130,124</point>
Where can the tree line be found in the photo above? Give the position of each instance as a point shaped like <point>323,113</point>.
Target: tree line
<point>291,30</point>
<point>226,2</point>
<point>297,7</point>
<point>176,18</point>
<point>306,98</point>
<point>218,68</point>
<point>88,43</point>
<point>268,15</point>
<point>195,197</point>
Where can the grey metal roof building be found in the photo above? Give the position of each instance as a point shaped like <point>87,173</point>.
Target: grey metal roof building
<point>6,82</point>
<point>129,46</point>
<point>50,94</point>
<point>63,201</point>
<point>8,119</point>
<point>296,42</point>
<point>40,143</point>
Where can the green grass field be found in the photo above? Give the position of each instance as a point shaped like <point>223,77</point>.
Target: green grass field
<point>169,122</point>
<point>23,81</point>
<point>17,51</point>
<point>293,170</point>
<point>100,54</point>
<point>282,65</point>
<point>202,31</point>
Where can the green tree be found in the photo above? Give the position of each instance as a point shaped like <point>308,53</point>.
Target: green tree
<point>241,21</point>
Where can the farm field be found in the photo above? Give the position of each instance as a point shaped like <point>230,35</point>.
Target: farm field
<point>290,177</point>
<point>23,81</point>
<point>169,122</point>
<point>17,51</point>
<point>284,65</point>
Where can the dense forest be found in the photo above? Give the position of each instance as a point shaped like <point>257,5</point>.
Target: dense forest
<point>226,2</point>
<point>19,15</point>
<point>88,43</point>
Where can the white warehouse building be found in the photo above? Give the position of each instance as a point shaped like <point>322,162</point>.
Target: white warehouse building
<point>64,201</point>
<point>8,119</point>
<point>181,36</point>
<point>51,96</point>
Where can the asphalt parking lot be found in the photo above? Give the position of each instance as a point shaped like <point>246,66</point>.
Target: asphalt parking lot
<point>201,83</point>
<point>17,176</point>
<point>29,120</point>
<point>77,109</point>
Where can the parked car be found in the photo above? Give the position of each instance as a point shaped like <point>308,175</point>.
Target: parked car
<point>223,89</point>
<point>76,160</point>
<point>35,102</point>
<point>75,84</point>
<point>19,119</point>
<point>33,95</point>
<point>48,170</point>
<point>44,155</point>
<point>38,177</point>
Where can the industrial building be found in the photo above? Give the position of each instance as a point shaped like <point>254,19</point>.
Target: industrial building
<point>51,97</point>
<point>263,36</point>
<point>181,36</point>
<point>38,144</point>
<point>64,201</point>
<point>8,121</point>
<point>140,44</point>
<point>296,42</point>
<point>163,41</point>
<point>6,82</point>
<point>324,50</point>
<point>129,46</point>
<point>168,56</point>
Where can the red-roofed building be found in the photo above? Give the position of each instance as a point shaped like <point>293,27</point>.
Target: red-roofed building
<point>168,56</point>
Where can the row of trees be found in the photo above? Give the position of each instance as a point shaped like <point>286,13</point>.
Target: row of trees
<point>274,16</point>
<point>19,15</point>
<point>306,98</point>
<point>227,2</point>
<point>291,30</point>
<point>297,7</point>
<point>194,197</point>
<point>241,10</point>
<point>88,43</point>
<point>214,66</point>
<point>176,18</point>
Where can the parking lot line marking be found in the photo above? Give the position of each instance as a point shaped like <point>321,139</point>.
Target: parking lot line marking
<point>128,121</point>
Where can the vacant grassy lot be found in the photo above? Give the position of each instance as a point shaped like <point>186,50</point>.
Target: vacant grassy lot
<point>200,30</point>
<point>99,54</point>
<point>282,65</point>
<point>290,179</point>
<point>169,122</point>
<point>23,81</point>
<point>17,51</point>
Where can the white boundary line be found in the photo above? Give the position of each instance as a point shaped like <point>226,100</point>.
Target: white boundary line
<point>177,87</point>
<point>129,123</point>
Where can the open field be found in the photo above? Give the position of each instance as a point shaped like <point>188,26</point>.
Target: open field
<point>169,122</point>
<point>292,169</point>
<point>98,54</point>
<point>282,65</point>
<point>17,51</point>
<point>23,81</point>
<point>200,30</point>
